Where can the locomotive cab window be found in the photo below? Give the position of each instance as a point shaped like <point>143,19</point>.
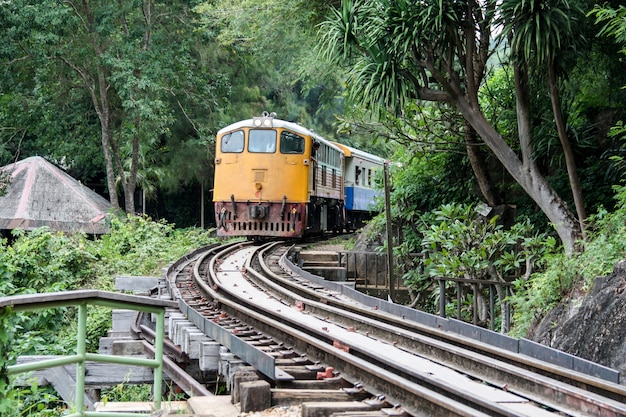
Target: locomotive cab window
<point>262,141</point>
<point>291,143</point>
<point>232,142</point>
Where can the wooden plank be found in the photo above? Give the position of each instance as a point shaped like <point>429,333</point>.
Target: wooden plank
<point>323,409</point>
<point>65,385</point>
<point>127,347</point>
<point>66,298</point>
<point>135,283</point>
<point>122,320</point>
<point>300,372</point>
<point>176,407</point>
<point>298,396</point>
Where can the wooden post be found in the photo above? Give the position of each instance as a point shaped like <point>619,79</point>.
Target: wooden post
<point>392,291</point>
<point>442,298</point>
<point>202,204</point>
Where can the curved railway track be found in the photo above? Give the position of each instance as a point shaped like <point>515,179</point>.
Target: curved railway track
<point>243,296</point>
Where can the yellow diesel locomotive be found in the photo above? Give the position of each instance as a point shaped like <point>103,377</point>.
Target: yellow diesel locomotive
<point>275,178</point>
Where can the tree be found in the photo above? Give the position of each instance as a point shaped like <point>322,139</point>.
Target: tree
<point>268,48</point>
<point>399,51</point>
<point>135,61</point>
<point>539,33</point>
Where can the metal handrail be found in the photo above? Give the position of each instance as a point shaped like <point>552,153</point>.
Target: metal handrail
<point>82,299</point>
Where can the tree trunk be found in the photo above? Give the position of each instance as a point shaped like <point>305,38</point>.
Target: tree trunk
<point>524,173</point>
<point>570,161</point>
<point>131,184</point>
<point>479,166</point>
<point>106,149</point>
<point>99,98</point>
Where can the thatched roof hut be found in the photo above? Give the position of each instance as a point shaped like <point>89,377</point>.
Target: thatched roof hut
<point>40,194</point>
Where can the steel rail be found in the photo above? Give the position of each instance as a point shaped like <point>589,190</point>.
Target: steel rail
<point>534,368</point>
<point>419,398</point>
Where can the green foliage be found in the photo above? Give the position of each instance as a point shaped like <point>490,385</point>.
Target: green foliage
<point>459,243</point>
<point>456,241</point>
<point>127,392</point>
<point>7,329</point>
<point>124,391</point>
<point>35,401</point>
<point>613,20</point>
<point>45,261</point>
<point>605,245</point>
<point>126,77</point>
<point>137,245</point>
<point>268,50</point>
<point>539,31</point>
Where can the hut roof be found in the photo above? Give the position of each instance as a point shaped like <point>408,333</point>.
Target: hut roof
<point>41,194</point>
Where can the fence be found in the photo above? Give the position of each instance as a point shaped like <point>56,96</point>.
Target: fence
<point>81,299</point>
<point>476,284</point>
<point>368,268</point>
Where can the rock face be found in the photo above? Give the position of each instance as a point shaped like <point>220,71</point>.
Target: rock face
<point>367,241</point>
<point>592,327</point>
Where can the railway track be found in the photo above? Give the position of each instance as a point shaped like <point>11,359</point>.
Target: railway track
<point>244,297</point>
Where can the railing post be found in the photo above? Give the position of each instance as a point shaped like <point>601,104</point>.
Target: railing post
<point>158,355</point>
<point>458,300</point>
<point>442,298</point>
<point>475,306</point>
<point>492,308</point>
<point>376,271</point>
<point>81,350</point>
<point>366,270</point>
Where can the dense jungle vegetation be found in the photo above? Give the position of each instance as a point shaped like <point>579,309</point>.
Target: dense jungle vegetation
<point>515,106</point>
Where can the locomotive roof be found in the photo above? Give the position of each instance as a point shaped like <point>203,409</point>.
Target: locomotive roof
<point>278,123</point>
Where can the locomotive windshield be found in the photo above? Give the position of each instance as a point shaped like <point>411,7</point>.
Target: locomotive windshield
<point>291,143</point>
<point>261,140</point>
<point>232,142</point>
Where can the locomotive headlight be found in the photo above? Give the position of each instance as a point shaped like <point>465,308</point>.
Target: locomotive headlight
<point>266,120</point>
<point>258,186</point>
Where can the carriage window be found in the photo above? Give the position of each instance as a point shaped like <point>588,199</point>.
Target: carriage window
<point>263,141</point>
<point>232,142</point>
<point>291,143</point>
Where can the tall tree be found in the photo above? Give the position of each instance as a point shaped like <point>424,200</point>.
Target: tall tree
<point>401,50</point>
<point>134,60</point>
<point>540,33</point>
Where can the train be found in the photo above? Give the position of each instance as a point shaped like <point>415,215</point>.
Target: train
<point>278,179</point>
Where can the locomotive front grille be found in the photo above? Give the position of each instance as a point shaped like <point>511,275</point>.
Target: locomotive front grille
<point>248,226</point>
<point>245,219</point>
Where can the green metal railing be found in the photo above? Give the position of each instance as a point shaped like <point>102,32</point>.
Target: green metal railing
<point>81,299</point>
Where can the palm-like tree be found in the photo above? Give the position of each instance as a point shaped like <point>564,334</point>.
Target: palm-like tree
<point>402,50</point>
<point>540,31</point>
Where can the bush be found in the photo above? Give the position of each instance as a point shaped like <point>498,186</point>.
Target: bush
<point>47,261</point>
<point>605,245</point>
